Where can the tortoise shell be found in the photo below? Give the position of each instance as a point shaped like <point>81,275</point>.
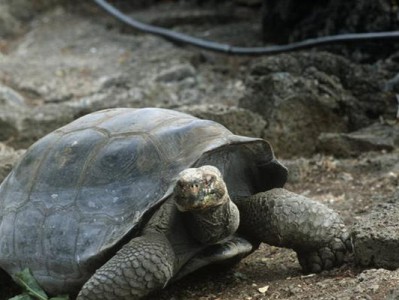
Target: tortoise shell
<point>81,191</point>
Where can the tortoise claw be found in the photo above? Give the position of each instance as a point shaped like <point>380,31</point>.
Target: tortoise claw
<point>326,257</point>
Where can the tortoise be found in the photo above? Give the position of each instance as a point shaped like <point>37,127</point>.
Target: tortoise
<point>122,202</point>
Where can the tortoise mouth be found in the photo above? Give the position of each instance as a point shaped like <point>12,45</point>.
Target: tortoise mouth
<point>199,189</point>
<point>204,200</point>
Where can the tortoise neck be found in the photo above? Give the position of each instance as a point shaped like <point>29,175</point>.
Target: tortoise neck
<point>214,224</point>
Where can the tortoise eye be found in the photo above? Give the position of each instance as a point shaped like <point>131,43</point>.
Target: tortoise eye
<point>180,183</point>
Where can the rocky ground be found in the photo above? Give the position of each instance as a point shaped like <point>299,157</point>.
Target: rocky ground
<point>331,120</point>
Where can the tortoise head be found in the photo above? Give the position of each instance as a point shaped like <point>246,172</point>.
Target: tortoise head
<point>200,189</point>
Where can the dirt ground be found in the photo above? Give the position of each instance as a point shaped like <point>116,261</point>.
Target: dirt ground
<point>91,65</point>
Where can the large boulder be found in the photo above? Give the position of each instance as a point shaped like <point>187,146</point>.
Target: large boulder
<point>376,236</point>
<point>377,137</point>
<point>302,95</point>
<point>239,120</point>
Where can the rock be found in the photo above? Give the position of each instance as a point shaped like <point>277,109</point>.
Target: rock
<point>26,9</point>
<point>376,137</point>
<point>14,13</point>
<point>297,108</point>
<point>176,73</point>
<point>9,25</point>
<point>239,120</point>
<point>8,96</point>
<point>9,116</point>
<point>298,169</point>
<point>21,126</point>
<point>8,158</point>
<point>378,163</point>
<point>298,20</point>
<point>91,66</point>
<point>393,294</point>
<point>302,96</point>
<point>376,237</point>
<point>263,289</point>
<point>112,97</point>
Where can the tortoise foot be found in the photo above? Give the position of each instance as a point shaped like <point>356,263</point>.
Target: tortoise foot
<point>326,257</point>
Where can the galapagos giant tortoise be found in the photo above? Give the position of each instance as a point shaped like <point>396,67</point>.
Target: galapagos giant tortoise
<point>121,202</point>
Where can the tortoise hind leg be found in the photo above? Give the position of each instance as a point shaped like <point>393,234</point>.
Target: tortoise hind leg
<point>143,265</point>
<point>281,218</point>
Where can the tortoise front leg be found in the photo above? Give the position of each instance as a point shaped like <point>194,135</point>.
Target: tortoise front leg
<point>143,265</point>
<point>282,218</point>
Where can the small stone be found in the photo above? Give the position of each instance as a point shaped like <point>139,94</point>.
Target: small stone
<point>346,177</point>
<point>240,276</point>
<point>264,289</point>
<point>176,73</point>
<point>308,276</point>
<point>374,288</point>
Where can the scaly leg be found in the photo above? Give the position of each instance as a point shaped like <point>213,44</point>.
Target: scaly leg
<point>282,218</point>
<point>143,265</point>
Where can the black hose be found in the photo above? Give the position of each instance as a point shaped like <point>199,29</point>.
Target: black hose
<point>182,38</point>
